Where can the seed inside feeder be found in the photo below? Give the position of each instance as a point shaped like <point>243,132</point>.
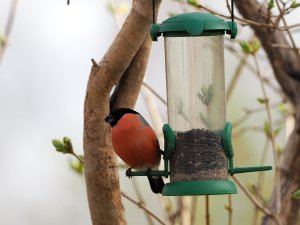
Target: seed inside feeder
<point>199,156</point>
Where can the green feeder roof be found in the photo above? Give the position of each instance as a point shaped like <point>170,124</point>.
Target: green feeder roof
<point>193,24</point>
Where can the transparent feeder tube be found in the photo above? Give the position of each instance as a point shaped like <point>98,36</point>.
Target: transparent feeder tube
<point>195,82</point>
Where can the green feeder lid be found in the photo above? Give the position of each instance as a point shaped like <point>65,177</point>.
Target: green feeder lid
<point>211,187</point>
<point>193,24</point>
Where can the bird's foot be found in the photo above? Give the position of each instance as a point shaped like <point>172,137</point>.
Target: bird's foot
<point>128,172</point>
<point>148,171</point>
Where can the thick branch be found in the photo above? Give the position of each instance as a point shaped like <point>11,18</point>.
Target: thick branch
<point>286,68</point>
<point>101,169</point>
<point>285,63</point>
<point>131,82</point>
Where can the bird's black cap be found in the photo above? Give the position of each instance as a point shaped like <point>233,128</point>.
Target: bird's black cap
<point>114,116</point>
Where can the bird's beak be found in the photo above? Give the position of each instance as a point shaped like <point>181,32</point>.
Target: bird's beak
<point>109,119</point>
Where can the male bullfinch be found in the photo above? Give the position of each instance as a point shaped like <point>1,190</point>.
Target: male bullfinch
<point>135,143</point>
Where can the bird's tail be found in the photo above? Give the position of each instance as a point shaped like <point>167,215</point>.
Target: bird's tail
<point>156,183</point>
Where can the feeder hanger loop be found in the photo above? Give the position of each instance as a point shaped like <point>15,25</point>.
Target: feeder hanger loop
<point>153,11</point>
<point>232,12</point>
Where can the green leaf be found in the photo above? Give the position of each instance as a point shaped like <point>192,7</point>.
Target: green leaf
<point>193,2</point>
<point>250,47</point>
<point>67,140</point>
<point>64,146</point>
<point>59,145</point>
<point>172,14</point>
<point>68,145</point>
<point>2,39</point>
<point>282,108</point>
<point>270,4</point>
<point>296,195</point>
<point>279,150</point>
<point>255,45</point>
<point>227,207</point>
<point>262,100</point>
<point>77,166</point>
<point>110,7</point>
<point>295,4</point>
<point>246,47</point>
<point>266,128</point>
<point>123,166</point>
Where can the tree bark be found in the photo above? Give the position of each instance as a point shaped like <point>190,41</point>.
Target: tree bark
<point>123,64</point>
<point>286,68</point>
<point>130,84</point>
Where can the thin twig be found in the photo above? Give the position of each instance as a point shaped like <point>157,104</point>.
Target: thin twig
<point>296,25</point>
<point>154,93</point>
<point>243,130</point>
<point>77,157</point>
<point>251,197</point>
<point>260,179</point>
<point>141,199</point>
<point>236,76</point>
<point>168,209</point>
<point>259,196</point>
<point>271,136</point>
<point>8,27</point>
<point>288,32</point>
<point>229,209</point>
<point>228,6</point>
<point>256,202</point>
<point>207,215</point>
<point>185,213</point>
<point>284,47</point>
<point>249,112</point>
<point>248,22</point>
<point>141,205</point>
<point>252,69</point>
<point>194,209</point>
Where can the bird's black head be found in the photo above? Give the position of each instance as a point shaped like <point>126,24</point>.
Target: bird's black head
<point>114,116</point>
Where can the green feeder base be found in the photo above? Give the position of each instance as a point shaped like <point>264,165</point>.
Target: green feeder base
<point>219,187</point>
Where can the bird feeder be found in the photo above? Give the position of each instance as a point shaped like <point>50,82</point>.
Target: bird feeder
<point>198,152</point>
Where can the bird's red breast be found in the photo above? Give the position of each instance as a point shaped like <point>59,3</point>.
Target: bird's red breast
<point>135,142</point>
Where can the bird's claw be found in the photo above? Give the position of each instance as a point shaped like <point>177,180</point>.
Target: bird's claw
<point>128,173</point>
<point>148,171</point>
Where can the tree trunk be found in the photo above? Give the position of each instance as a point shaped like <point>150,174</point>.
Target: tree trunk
<point>286,68</point>
<point>123,64</point>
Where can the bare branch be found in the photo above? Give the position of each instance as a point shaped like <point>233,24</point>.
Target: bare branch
<point>207,214</point>
<point>141,205</point>
<point>155,93</point>
<point>272,138</point>
<point>286,68</point>
<point>8,27</point>
<point>236,76</point>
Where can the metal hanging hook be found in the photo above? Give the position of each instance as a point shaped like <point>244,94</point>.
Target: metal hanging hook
<point>232,11</point>
<point>153,11</point>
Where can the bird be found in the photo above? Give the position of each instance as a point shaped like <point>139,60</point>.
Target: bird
<point>135,142</point>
